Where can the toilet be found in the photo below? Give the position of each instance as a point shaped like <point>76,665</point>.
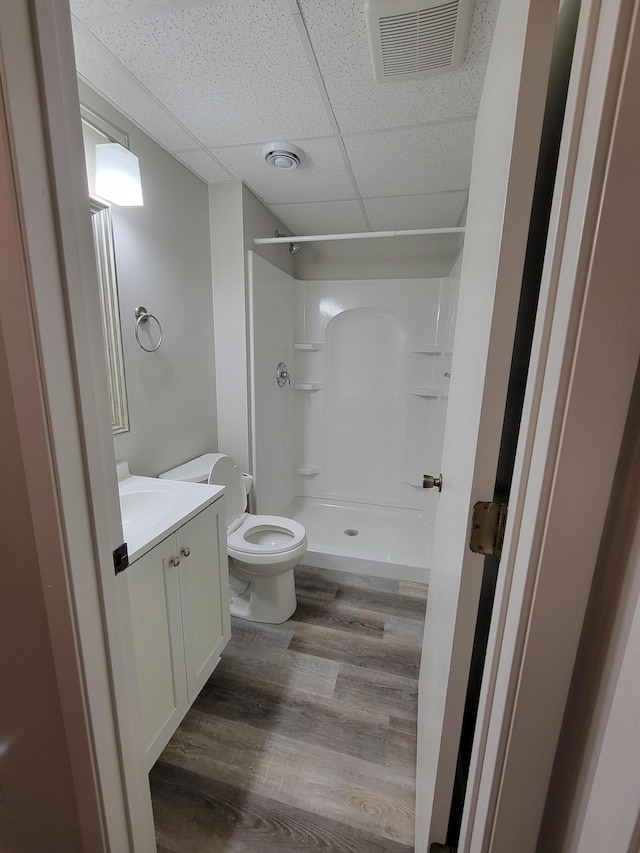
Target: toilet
<point>263,549</point>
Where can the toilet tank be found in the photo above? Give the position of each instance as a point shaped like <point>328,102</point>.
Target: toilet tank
<point>220,470</point>
<point>195,471</point>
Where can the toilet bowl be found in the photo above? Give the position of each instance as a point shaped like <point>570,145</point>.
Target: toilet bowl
<point>263,549</point>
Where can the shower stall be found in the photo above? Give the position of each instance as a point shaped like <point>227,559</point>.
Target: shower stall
<point>341,440</point>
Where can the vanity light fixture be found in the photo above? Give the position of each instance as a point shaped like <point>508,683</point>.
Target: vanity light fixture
<point>118,175</point>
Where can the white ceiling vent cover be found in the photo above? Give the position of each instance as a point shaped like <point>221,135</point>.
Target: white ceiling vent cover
<point>410,39</point>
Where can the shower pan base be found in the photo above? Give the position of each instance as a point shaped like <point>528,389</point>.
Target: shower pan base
<point>366,539</point>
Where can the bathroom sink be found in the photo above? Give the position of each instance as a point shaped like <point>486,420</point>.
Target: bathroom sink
<point>145,508</point>
<point>151,509</point>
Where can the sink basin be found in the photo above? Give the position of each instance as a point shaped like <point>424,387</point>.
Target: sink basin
<point>151,509</point>
<point>145,508</point>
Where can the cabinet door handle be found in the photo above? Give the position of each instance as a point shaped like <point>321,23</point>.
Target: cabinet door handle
<point>175,561</point>
<point>186,551</point>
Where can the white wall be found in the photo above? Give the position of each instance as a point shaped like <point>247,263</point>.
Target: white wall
<point>163,262</point>
<point>272,298</point>
<point>258,221</point>
<point>232,376</point>
<point>237,216</point>
<point>379,258</point>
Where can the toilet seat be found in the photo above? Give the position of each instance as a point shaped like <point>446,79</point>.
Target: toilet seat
<point>271,534</point>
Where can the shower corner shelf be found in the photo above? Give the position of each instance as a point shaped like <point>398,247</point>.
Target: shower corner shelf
<point>309,386</point>
<point>431,350</point>
<point>425,392</point>
<point>319,345</point>
<point>308,470</point>
<point>417,484</point>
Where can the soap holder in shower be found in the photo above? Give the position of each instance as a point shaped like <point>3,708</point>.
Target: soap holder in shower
<point>425,392</point>
<point>308,470</point>
<point>309,386</point>
<point>319,345</point>
<point>416,483</point>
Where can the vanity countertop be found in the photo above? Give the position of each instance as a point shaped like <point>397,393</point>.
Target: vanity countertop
<point>153,509</point>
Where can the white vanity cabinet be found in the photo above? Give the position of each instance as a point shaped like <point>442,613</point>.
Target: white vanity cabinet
<point>179,597</point>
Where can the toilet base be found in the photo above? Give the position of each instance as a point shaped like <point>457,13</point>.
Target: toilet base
<point>271,599</point>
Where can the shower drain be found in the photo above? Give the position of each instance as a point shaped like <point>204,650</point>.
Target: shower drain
<point>351,531</point>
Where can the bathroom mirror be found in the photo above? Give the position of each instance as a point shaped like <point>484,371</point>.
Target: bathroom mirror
<point>106,264</point>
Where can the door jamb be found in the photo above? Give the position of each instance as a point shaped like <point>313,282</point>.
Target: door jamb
<point>88,619</point>
<point>92,472</point>
<point>547,486</point>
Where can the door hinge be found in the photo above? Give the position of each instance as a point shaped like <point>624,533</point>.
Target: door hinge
<point>487,528</point>
<point>120,558</point>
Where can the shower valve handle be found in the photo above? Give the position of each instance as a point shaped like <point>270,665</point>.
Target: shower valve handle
<point>282,375</point>
<point>429,482</point>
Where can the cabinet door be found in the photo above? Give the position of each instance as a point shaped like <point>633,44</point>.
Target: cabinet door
<point>204,587</point>
<point>154,594</point>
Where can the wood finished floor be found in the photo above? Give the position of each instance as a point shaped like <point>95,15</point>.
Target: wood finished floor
<point>304,737</point>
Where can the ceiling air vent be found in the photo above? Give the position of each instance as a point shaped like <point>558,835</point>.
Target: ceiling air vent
<point>410,39</point>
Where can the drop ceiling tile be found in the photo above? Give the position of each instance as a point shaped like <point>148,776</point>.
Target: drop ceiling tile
<point>435,210</point>
<point>414,160</point>
<point>204,165</point>
<point>231,72</point>
<point>101,8</point>
<point>324,217</point>
<point>103,73</point>
<point>91,8</point>
<point>321,176</point>
<point>338,32</point>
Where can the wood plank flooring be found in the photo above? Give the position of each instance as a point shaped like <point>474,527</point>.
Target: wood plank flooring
<point>304,737</point>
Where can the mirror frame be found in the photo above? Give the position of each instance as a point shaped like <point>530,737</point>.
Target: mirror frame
<point>110,305</point>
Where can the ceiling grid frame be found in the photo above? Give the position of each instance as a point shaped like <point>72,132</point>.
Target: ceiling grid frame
<point>138,84</point>
<point>303,33</point>
<point>328,43</point>
<point>435,123</point>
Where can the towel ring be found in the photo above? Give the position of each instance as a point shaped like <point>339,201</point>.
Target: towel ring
<point>143,316</point>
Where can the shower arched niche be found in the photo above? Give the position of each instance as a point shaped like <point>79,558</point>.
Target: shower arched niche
<point>343,447</point>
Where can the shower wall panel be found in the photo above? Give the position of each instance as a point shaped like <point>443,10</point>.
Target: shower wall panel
<point>372,365</point>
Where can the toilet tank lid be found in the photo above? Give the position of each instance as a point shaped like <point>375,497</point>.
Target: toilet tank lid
<point>195,471</point>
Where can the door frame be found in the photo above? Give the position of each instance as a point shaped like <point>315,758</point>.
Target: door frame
<point>65,425</point>
<point>585,346</point>
<point>95,681</point>
<point>501,197</point>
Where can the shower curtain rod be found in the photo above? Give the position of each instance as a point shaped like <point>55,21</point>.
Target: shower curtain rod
<point>364,235</point>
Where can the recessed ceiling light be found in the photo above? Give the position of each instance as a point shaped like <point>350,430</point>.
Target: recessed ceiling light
<point>283,155</point>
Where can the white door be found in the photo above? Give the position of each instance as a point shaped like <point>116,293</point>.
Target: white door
<point>502,181</point>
